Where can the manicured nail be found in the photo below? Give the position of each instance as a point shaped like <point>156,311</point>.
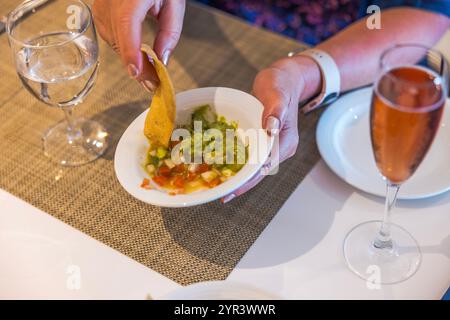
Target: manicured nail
<point>228,198</point>
<point>133,71</point>
<point>149,86</point>
<point>165,57</point>
<point>273,126</point>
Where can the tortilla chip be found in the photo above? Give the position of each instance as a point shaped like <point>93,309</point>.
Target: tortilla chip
<point>160,121</point>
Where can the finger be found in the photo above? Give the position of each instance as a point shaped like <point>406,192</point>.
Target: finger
<point>102,19</point>
<point>288,142</point>
<point>104,25</point>
<point>272,89</point>
<point>286,151</point>
<point>288,146</point>
<point>288,138</point>
<point>129,16</point>
<point>170,24</point>
<point>106,34</point>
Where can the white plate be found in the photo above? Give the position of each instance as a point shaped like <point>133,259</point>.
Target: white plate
<point>220,290</point>
<point>233,104</point>
<point>343,139</point>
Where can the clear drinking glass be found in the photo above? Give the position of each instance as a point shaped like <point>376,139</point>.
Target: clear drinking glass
<point>407,105</point>
<point>56,57</point>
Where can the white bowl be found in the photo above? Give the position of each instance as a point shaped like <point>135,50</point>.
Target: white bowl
<point>233,104</point>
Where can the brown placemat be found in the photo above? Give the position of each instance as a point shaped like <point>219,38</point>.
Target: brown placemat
<point>186,245</point>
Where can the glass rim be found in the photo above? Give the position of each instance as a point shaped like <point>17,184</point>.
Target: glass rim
<point>385,68</point>
<point>385,73</point>
<point>34,3</point>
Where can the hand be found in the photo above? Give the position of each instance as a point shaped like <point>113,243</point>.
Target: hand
<point>119,22</point>
<point>280,88</point>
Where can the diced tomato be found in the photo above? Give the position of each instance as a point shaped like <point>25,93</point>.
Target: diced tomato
<point>214,183</point>
<point>160,180</point>
<point>191,176</point>
<point>145,183</point>
<point>164,171</point>
<point>202,168</point>
<point>179,168</point>
<point>179,182</point>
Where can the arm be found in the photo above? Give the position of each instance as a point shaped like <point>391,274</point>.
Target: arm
<point>356,51</point>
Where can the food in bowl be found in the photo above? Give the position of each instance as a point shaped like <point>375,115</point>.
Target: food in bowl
<point>209,153</point>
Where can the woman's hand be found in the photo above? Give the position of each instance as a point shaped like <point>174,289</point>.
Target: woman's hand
<point>280,88</point>
<point>119,22</point>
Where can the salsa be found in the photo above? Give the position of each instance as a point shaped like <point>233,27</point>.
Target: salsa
<point>217,165</point>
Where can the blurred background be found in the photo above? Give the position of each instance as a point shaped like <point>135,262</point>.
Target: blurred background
<point>305,20</point>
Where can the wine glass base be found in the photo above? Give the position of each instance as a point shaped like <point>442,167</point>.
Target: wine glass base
<point>381,266</point>
<point>86,142</point>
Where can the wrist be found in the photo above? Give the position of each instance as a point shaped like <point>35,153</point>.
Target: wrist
<point>309,71</point>
<point>304,74</point>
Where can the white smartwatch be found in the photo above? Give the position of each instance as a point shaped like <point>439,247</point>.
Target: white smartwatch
<point>331,79</point>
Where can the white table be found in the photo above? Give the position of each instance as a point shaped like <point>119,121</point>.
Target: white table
<point>298,256</point>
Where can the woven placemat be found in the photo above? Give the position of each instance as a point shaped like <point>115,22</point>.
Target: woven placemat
<point>186,245</point>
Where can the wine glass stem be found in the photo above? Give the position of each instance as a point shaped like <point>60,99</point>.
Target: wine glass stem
<point>383,239</point>
<point>73,132</point>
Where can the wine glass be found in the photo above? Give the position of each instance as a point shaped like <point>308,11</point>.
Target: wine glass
<point>56,57</point>
<point>407,105</point>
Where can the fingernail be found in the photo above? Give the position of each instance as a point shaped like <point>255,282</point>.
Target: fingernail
<point>228,198</point>
<point>148,85</point>
<point>165,57</point>
<point>133,71</point>
<point>273,126</point>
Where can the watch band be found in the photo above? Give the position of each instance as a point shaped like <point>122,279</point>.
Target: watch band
<point>331,79</point>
